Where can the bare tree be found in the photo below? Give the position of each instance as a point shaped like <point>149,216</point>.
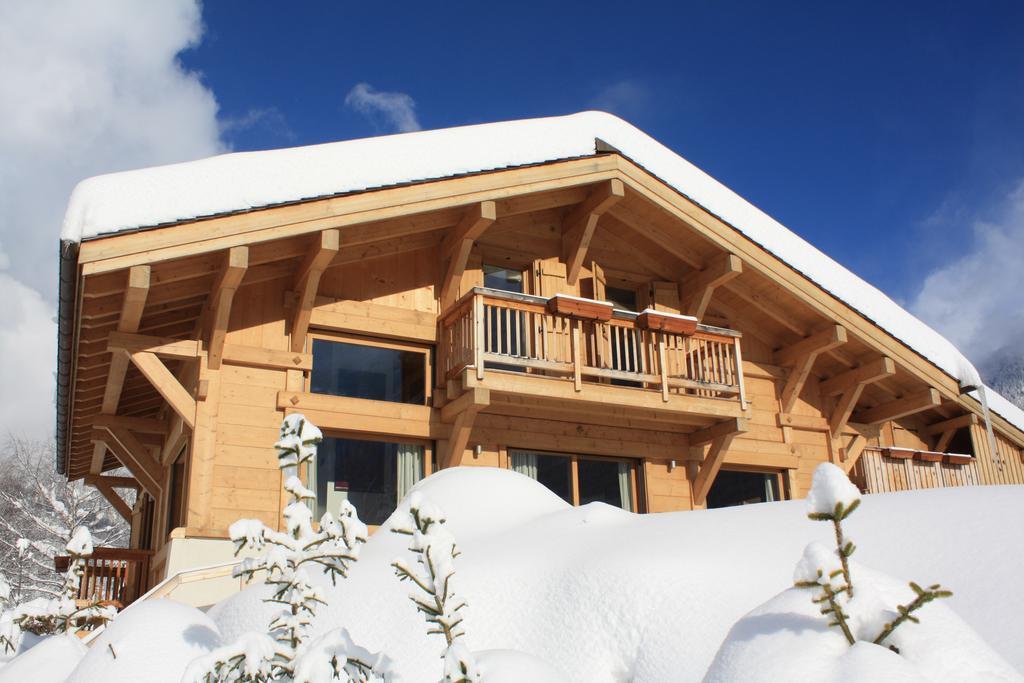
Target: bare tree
<point>39,511</point>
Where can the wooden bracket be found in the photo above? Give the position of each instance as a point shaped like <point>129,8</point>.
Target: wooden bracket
<point>581,222</point>
<point>851,453</point>
<point>106,487</point>
<point>307,282</point>
<point>849,385</point>
<point>457,245</point>
<point>167,385</point>
<point>947,429</point>
<point>901,407</point>
<point>236,262</point>
<point>133,455</point>
<point>720,436</point>
<point>801,357</point>
<point>696,290</point>
<point>462,413</point>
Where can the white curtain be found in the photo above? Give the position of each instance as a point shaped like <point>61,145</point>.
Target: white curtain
<point>410,467</point>
<point>625,487</point>
<point>769,490</point>
<point>316,506</point>
<point>524,462</point>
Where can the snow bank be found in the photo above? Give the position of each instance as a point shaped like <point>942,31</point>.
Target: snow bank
<point>788,639</point>
<point>150,641</point>
<point>48,661</point>
<point>606,595</point>
<point>248,180</point>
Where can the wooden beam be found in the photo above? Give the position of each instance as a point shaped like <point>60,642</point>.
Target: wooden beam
<point>457,245</point>
<point>462,412</point>
<point>901,407</point>
<point>112,496</point>
<point>734,425</point>
<point>473,397</point>
<point>184,349</point>
<point>307,282</point>
<point>823,340</point>
<point>953,423</point>
<point>710,466</point>
<point>580,223</point>
<point>801,356</point>
<point>132,305</point>
<point>143,425</point>
<point>696,290</point>
<point>865,374</point>
<point>852,452</point>
<point>133,455</point>
<point>113,481</point>
<point>943,440</point>
<point>99,454</point>
<point>236,262</point>
<point>167,385</point>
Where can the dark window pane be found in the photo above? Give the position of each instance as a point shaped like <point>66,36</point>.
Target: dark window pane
<point>504,279</point>
<point>555,472</point>
<point>599,481</point>
<point>742,488</point>
<point>372,372</point>
<point>366,473</point>
<point>621,297</point>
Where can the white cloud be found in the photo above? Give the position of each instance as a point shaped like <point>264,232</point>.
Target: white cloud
<point>85,88</point>
<point>396,109</point>
<point>625,98</point>
<point>978,299</point>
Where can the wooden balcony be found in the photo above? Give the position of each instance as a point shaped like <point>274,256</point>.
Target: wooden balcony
<point>115,576</point>
<point>586,352</point>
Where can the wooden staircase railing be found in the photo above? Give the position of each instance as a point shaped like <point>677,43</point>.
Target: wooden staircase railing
<point>112,575</point>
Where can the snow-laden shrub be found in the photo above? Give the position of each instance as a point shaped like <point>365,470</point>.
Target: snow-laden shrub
<point>62,614</point>
<point>833,498</point>
<point>434,550</point>
<point>286,652</point>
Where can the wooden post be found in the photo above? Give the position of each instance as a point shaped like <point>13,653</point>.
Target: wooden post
<point>663,366</point>
<point>577,361</point>
<point>478,335</point>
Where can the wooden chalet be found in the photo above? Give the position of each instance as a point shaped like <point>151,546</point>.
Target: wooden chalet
<point>565,312</point>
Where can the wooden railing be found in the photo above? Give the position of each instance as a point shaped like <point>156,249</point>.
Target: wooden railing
<point>491,329</point>
<point>114,575</point>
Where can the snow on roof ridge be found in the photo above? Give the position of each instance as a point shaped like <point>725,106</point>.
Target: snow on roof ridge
<point>247,180</point>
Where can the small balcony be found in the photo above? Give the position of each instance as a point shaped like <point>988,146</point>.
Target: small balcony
<point>570,349</point>
<point>112,576</point>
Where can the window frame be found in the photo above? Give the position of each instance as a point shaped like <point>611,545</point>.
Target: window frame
<point>574,479</point>
<point>779,474</point>
<point>380,343</point>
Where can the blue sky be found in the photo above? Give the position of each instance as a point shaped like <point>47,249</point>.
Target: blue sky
<point>873,130</point>
<point>891,135</point>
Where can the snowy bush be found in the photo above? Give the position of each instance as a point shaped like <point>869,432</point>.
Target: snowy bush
<point>62,614</point>
<point>433,547</point>
<point>833,498</point>
<point>287,654</point>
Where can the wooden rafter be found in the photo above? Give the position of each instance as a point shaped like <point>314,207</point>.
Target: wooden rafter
<point>849,385</point>
<point>142,425</point>
<point>461,413</point>
<point>696,290</point>
<point>133,455</point>
<point>167,385</point>
<point>236,262</point>
<point>132,305</point>
<point>307,282</point>
<point>106,487</point>
<point>457,245</point>
<point>720,436</point>
<point>901,407</point>
<point>801,356</point>
<point>184,349</point>
<point>581,222</point>
<point>945,430</point>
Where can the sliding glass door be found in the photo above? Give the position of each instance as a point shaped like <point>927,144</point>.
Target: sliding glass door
<point>578,479</point>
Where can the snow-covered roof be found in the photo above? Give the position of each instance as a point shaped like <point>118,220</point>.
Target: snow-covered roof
<point>247,180</point>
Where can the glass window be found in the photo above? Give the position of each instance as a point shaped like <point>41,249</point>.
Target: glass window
<point>505,279</point>
<point>364,371</point>
<point>743,488</point>
<point>372,475</point>
<point>602,480</point>
<point>622,298</point>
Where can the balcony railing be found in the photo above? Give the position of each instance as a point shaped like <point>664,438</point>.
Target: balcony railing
<point>493,330</point>
<point>112,575</point>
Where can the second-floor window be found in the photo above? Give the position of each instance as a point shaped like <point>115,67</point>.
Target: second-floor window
<point>370,369</point>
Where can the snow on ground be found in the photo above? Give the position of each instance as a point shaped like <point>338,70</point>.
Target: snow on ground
<point>246,180</point>
<point>606,595</point>
<point>48,661</point>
